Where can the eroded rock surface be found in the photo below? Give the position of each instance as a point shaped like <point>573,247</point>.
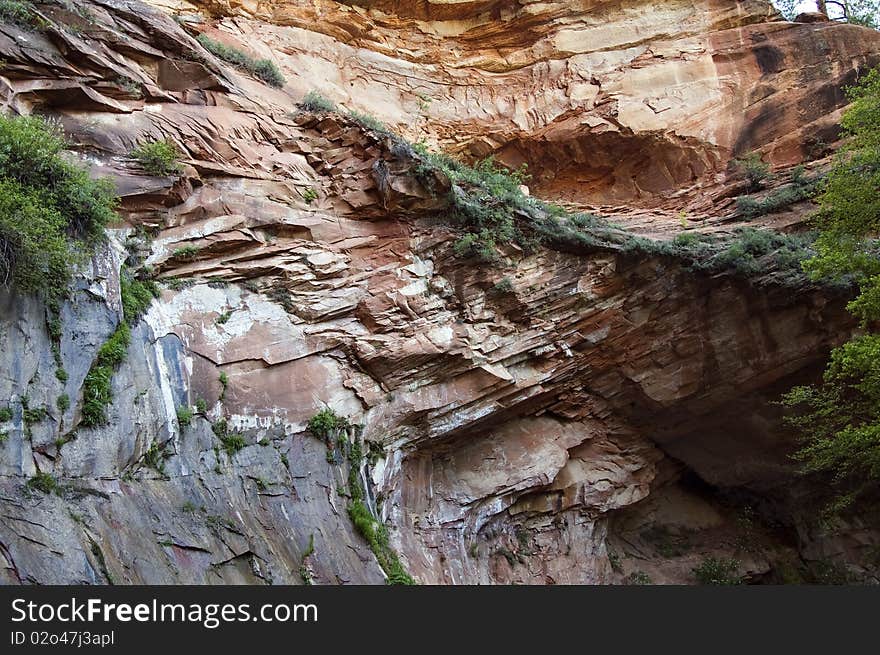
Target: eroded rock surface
<point>531,432</point>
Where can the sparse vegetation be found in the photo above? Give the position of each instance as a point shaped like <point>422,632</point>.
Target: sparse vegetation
<point>190,507</point>
<point>667,543</point>
<point>368,122</point>
<point>326,424</point>
<point>63,402</point>
<point>159,158</point>
<point>369,527</point>
<point>5,414</point>
<point>32,415</point>
<point>754,169</point>
<point>155,457</point>
<point>130,86</point>
<point>201,405</point>
<point>801,188</point>
<point>63,439</point>
<point>225,316</point>
<point>614,560</point>
<point>224,384</point>
<point>638,578</point>
<point>309,195</point>
<point>21,14</point>
<point>97,392</point>
<point>315,102</point>
<point>485,201</point>
<point>718,571</point>
<point>44,482</point>
<point>303,568</point>
<point>177,283</point>
<point>503,286</point>
<point>263,69</point>
<point>232,442</point>
<point>186,252</point>
<point>184,416</point>
<point>137,295</point>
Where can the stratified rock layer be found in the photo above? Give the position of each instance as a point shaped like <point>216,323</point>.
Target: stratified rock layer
<point>534,431</point>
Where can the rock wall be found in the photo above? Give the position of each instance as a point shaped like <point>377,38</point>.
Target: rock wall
<point>589,424</point>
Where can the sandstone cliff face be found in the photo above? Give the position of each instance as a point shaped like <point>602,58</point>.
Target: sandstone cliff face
<point>549,432</point>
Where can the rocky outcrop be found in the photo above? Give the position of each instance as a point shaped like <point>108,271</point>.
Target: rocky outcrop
<point>544,430</point>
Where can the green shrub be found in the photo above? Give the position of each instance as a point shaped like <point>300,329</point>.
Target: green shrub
<point>721,571</point>
<point>44,482</point>
<point>800,189</point>
<point>377,537</point>
<point>155,457</point>
<point>638,578</point>
<point>184,416</point>
<point>315,102</point>
<point>224,384</point>
<point>260,68</point>
<point>485,201</point>
<point>372,530</point>
<point>32,415</point>
<point>63,402</point>
<point>61,374</point>
<point>190,507</point>
<point>137,295</point>
<point>309,195</point>
<point>232,442</point>
<point>97,392</point>
<point>158,157</point>
<point>5,414</point>
<point>21,14</point>
<point>220,427</point>
<point>4,435</point>
<point>201,406</point>
<point>755,170</point>
<point>112,352</point>
<point>267,71</point>
<point>368,122</point>
<point>326,423</point>
<point>130,86</point>
<point>186,252</point>
<point>503,286</point>
<point>52,214</point>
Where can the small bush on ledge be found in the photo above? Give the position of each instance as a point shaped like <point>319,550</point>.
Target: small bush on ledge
<point>263,69</point>
<point>326,423</point>
<point>754,169</point>
<point>315,102</point>
<point>158,157</point>
<point>718,572</point>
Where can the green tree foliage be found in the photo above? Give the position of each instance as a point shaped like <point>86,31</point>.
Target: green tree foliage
<point>788,8</point>
<point>857,12</point>
<point>840,417</point>
<point>51,212</point>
